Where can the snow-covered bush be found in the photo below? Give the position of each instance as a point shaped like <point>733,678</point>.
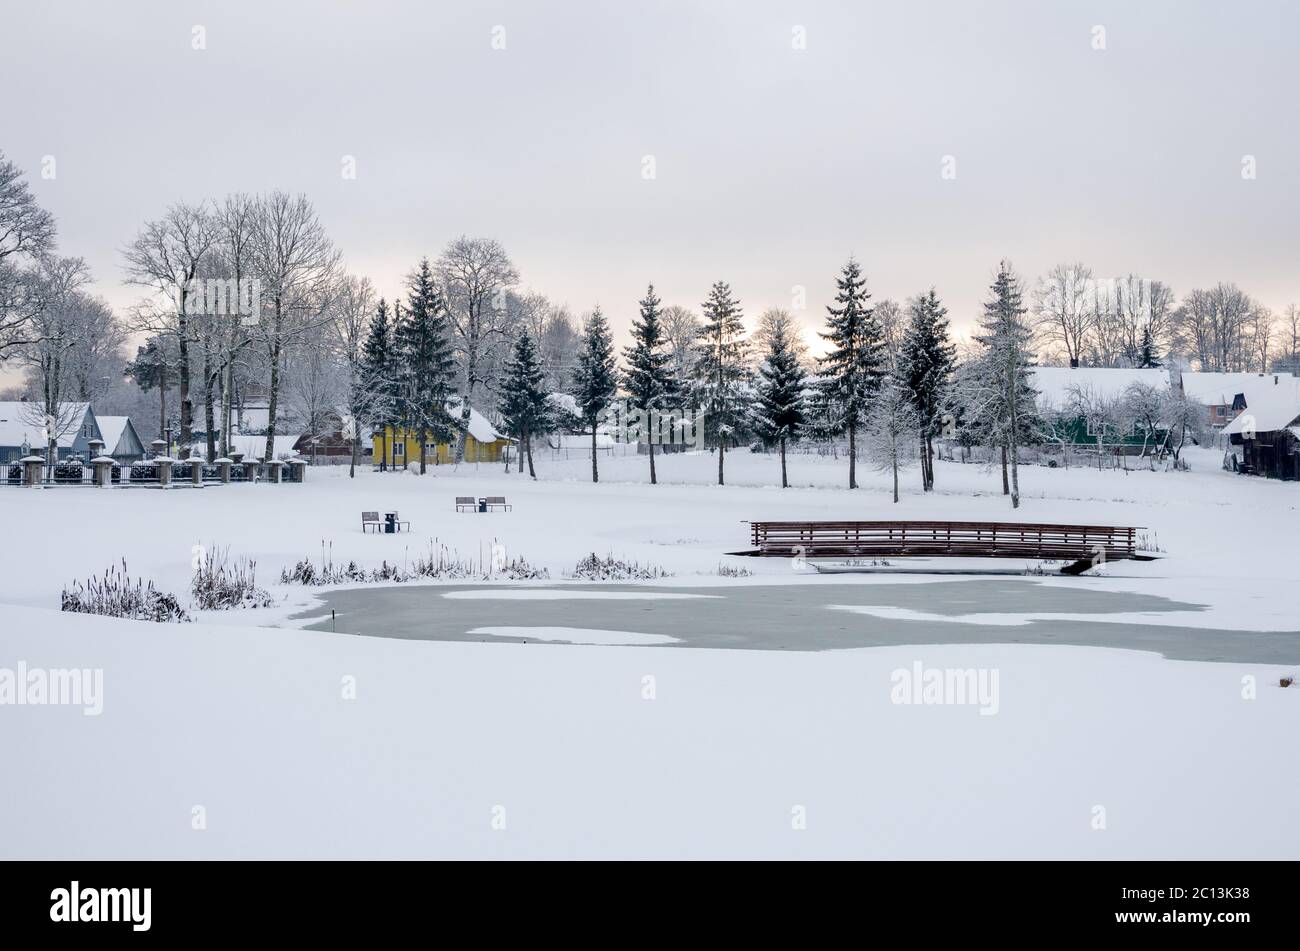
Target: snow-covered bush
<point>609,568</point>
<point>219,586</point>
<point>116,595</point>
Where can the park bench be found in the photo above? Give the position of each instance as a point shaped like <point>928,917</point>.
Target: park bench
<point>497,502</point>
<point>369,519</point>
<point>466,503</point>
<point>1082,546</point>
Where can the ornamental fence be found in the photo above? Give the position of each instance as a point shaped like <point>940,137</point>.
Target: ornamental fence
<point>150,473</point>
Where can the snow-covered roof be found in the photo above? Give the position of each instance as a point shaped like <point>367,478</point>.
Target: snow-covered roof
<point>21,420</point>
<point>253,447</point>
<point>252,417</point>
<point>479,427</point>
<point>1269,408</point>
<point>111,429</point>
<point>1219,389</point>
<point>1055,384</point>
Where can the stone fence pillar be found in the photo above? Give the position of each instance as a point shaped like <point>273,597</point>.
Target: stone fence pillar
<point>275,467</point>
<point>32,466</point>
<point>225,465</point>
<point>165,464</point>
<point>196,472</point>
<point>298,470</point>
<point>103,470</point>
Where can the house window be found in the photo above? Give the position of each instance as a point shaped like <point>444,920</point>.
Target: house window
<point>399,448</point>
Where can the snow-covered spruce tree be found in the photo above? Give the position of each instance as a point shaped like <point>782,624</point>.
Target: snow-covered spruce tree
<point>648,379</point>
<point>595,378</point>
<point>426,361</point>
<point>852,368</point>
<point>891,427</point>
<point>379,371</point>
<point>524,400</point>
<point>781,413</point>
<point>720,368</point>
<point>1002,389</point>
<point>925,366</point>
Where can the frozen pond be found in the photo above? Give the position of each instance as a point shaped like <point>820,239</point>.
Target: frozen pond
<point>812,616</point>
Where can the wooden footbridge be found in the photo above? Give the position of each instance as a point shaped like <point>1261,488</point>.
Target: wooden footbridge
<point>1081,546</point>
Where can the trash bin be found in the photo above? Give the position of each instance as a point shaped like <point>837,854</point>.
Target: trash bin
<point>390,523</point>
<point>482,505</point>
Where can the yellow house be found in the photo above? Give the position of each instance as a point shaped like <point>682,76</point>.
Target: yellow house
<point>397,446</point>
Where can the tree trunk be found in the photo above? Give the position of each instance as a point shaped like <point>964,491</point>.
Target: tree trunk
<point>652,462</point>
<point>895,480</point>
<point>466,405</point>
<point>784,483</point>
<point>528,441</point>
<point>853,458</point>
<point>226,389</point>
<point>424,451</point>
<point>352,465</point>
<point>595,474</point>
<point>187,409</point>
<point>1015,479</point>
<point>273,400</point>
<point>209,418</point>
<point>1006,485</point>
<point>722,452</point>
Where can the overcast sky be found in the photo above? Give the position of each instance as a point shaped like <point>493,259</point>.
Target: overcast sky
<point>773,164</point>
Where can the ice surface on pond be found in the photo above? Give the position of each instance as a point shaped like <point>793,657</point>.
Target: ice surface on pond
<point>575,635</point>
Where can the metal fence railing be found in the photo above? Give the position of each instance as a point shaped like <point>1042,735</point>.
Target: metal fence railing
<point>148,473</point>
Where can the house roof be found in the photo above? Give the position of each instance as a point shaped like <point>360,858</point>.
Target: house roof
<point>253,447</point>
<point>1054,384</point>
<point>1269,408</point>
<point>1219,389</point>
<point>112,429</point>
<point>21,421</point>
<point>479,427</point>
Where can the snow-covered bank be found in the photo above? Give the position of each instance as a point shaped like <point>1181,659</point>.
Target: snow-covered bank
<point>443,743</point>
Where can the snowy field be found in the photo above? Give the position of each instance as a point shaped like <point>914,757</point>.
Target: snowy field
<point>293,743</point>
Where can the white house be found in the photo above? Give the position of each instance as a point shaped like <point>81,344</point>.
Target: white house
<point>22,429</point>
<point>1226,394</point>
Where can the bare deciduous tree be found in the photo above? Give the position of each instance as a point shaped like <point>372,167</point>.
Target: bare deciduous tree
<point>475,274</point>
<point>1210,326</point>
<point>1064,312</point>
<point>26,235</point>
<point>167,256</point>
<point>1143,312</point>
<point>298,267</point>
<point>53,332</point>
<point>349,326</point>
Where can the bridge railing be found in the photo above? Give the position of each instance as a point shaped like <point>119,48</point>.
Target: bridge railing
<point>944,539</point>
